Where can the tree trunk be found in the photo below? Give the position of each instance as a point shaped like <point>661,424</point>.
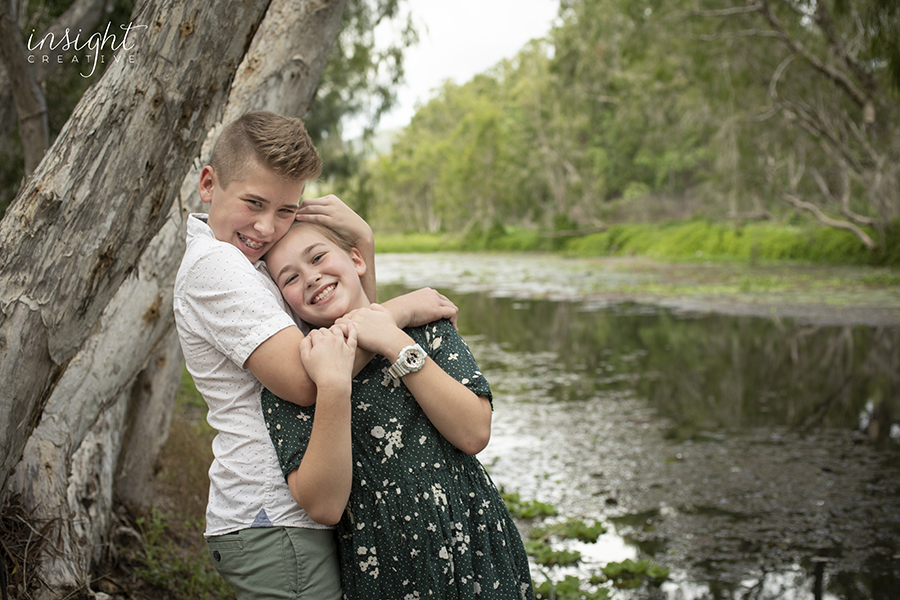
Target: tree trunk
<point>34,131</point>
<point>90,251</point>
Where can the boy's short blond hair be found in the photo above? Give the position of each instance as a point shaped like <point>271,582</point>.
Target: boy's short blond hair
<point>263,138</point>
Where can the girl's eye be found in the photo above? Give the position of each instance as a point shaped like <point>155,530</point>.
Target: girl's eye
<point>317,258</point>
<point>290,279</point>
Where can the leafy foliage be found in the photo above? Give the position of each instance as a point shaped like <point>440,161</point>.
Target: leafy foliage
<point>544,554</point>
<point>570,529</point>
<point>184,573</point>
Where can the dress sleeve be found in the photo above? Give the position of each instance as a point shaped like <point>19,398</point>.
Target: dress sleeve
<point>289,426</point>
<point>447,348</point>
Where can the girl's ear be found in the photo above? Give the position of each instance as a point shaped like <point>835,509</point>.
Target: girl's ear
<point>358,262</point>
<point>207,183</point>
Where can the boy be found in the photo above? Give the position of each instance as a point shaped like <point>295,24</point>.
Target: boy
<point>238,337</point>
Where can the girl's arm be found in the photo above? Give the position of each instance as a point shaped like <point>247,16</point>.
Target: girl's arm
<point>461,416</point>
<point>322,482</point>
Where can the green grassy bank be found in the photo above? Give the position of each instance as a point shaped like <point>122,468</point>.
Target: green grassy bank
<point>678,240</point>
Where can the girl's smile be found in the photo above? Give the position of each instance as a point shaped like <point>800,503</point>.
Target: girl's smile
<point>318,278</point>
<point>324,294</point>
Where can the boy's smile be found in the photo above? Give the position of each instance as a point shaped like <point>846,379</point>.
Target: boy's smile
<point>252,213</point>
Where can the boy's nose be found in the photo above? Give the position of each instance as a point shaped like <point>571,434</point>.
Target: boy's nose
<point>265,225</point>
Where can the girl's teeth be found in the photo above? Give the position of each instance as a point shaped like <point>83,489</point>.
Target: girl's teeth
<point>325,293</point>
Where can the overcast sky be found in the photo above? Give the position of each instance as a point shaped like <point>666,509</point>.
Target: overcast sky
<point>460,39</point>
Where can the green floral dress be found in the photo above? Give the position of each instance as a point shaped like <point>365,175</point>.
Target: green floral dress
<point>424,519</point>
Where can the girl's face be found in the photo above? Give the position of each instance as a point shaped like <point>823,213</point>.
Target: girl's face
<point>319,279</point>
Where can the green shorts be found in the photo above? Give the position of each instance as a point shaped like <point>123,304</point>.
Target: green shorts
<point>292,563</point>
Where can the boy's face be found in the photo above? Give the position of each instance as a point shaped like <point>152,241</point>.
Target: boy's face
<point>253,213</point>
<point>319,279</point>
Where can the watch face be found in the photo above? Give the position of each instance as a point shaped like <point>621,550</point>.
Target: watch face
<point>414,357</point>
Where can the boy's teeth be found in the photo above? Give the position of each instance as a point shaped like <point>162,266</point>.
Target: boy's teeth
<point>251,243</point>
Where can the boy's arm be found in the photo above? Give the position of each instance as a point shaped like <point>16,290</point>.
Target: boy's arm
<point>420,308</point>
<point>333,213</point>
<point>278,366</point>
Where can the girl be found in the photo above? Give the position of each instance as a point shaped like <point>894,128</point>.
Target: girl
<point>424,519</point>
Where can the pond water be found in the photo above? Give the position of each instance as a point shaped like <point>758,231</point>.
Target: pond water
<point>755,457</point>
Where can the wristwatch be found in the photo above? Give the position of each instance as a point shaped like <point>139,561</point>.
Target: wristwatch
<point>412,358</point>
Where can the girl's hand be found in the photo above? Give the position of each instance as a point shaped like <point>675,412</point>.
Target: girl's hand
<point>375,327</point>
<point>328,355</point>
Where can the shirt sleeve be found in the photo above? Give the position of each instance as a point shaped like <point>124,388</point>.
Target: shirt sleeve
<point>228,303</point>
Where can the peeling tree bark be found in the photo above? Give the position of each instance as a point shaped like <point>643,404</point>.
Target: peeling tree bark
<point>91,247</point>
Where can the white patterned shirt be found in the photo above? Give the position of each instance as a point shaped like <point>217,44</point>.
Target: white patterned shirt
<point>225,307</point>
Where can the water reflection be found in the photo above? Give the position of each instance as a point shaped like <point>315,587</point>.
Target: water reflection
<point>753,456</point>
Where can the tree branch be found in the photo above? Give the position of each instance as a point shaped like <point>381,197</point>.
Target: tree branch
<point>826,220</point>
<point>725,12</point>
<point>798,48</point>
<point>826,24</point>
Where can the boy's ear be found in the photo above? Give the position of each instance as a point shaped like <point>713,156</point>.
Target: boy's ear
<point>207,183</point>
<point>358,262</point>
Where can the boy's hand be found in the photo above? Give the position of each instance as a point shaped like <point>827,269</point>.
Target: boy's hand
<point>422,307</point>
<point>334,214</point>
<point>375,327</point>
<point>328,355</point>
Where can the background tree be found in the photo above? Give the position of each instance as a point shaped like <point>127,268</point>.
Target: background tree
<point>828,131</point>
